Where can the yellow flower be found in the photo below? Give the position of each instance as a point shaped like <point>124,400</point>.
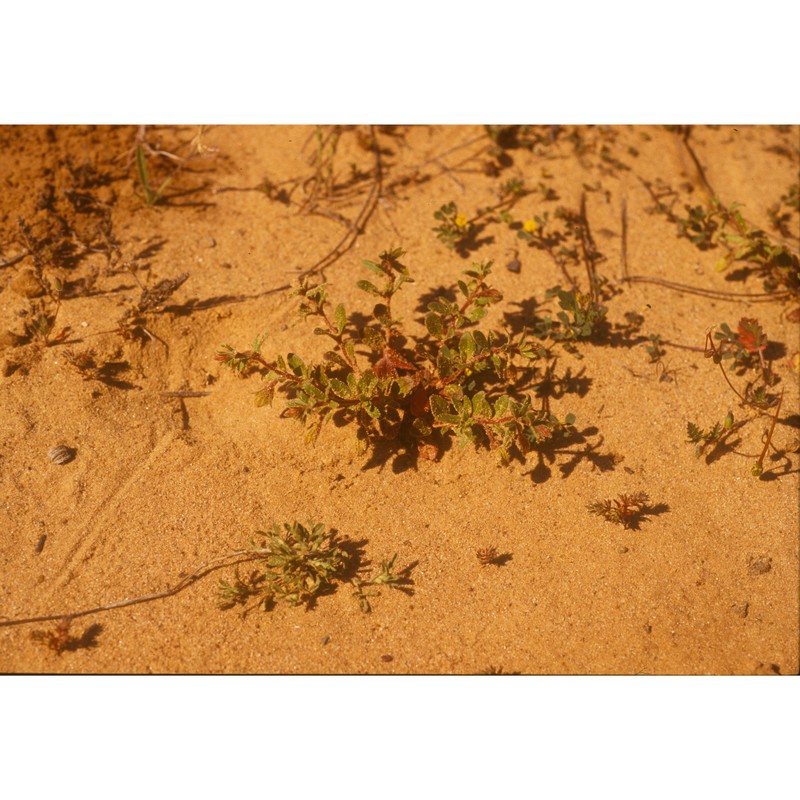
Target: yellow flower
<point>461,221</point>
<point>530,226</point>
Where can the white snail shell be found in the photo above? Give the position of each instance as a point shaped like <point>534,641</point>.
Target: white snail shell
<point>61,454</point>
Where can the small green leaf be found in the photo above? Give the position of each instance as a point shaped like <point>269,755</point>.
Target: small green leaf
<point>466,346</point>
<point>340,317</point>
<point>476,313</point>
<point>376,268</point>
<point>439,407</point>
<point>480,405</point>
<point>433,322</point>
<point>366,286</point>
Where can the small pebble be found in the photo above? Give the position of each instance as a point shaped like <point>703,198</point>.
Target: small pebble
<point>61,454</point>
<point>40,544</point>
<point>209,241</point>
<point>759,566</point>
<point>623,550</point>
<point>325,639</point>
<point>742,609</point>
<point>514,265</point>
<point>387,658</point>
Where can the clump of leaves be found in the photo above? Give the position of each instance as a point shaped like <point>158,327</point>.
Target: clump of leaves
<point>745,348</point>
<point>703,439</point>
<point>456,230</point>
<point>384,577</point>
<point>456,381</point>
<point>655,349</point>
<point>716,225</point>
<point>578,319</point>
<point>454,227</point>
<point>298,564</point>
<point>748,342</point>
<point>625,509</point>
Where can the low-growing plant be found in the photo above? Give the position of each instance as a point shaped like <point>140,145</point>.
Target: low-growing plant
<point>578,319</point>
<point>717,225</point>
<point>300,563</point>
<point>487,555</point>
<point>745,347</point>
<point>457,380</point>
<point>626,509</point>
<point>456,230</point>
<point>150,194</point>
<point>703,439</point>
<point>454,227</point>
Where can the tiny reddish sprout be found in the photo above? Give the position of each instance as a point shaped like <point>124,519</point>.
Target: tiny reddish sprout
<point>486,555</point>
<point>623,510</point>
<point>57,640</point>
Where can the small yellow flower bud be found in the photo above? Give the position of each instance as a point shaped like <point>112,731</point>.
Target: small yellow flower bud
<point>530,226</point>
<point>461,221</point>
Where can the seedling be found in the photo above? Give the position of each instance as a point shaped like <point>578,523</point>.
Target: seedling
<point>743,346</point>
<point>717,225</point>
<point>57,639</point>
<point>655,349</point>
<point>455,381</point>
<point>703,439</point>
<point>301,563</point>
<point>455,228</point>
<point>60,640</point>
<point>625,509</point>
<point>384,577</point>
<point>151,196</point>
<point>579,318</point>
<point>487,555</point>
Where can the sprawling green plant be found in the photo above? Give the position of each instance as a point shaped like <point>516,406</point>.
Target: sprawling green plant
<point>455,380</point>
<point>298,563</point>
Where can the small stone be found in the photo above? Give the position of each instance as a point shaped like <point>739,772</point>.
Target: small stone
<point>514,265</point>
<point>759,566</point>
<point>325,639</point>
<point>208,241</point>
<point>742,609</point>
<point>623,550</point>
<point>61,454</point>
<point>387,658</point>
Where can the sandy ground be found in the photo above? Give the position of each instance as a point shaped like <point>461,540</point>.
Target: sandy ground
<point>708,583</point>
